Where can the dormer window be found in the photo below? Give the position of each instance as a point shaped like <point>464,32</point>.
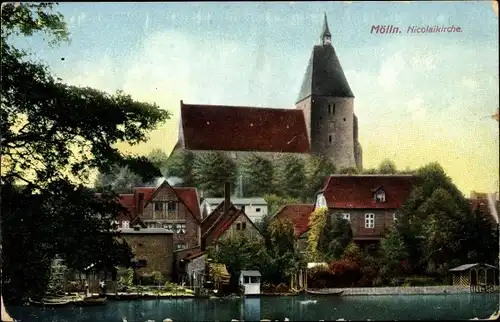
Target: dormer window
<point>379,195</point>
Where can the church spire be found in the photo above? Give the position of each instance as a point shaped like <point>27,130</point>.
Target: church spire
<point>326,36</point>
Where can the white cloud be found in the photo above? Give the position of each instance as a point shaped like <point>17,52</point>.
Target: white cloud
<point>390,70</point>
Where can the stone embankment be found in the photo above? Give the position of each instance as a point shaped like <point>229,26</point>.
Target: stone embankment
<point>445,289</point>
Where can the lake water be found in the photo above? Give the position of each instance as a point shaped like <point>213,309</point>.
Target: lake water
<point>297,308</point>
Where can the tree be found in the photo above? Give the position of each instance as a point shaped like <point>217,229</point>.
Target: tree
<point>317,170</point>
<point>290,176</point>
<point>387,167</point>
<point>120,180</point>
<point>350,170</point>
<point>211,170</point>
<point>392,247</point>
<point>437,226</point>
<point>51,141</point>
<point>159,159</point>
<point>237,253</point>
<point>283,258</point>
<point>275,203</point>
<point>327,237</point>
<point>180,165</point>
<point>257,173</point>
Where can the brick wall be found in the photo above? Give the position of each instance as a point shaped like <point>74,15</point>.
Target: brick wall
<point>156,249</point>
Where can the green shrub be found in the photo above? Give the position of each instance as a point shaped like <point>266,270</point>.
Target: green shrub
<point>396,281</point>
<point>378,281</point>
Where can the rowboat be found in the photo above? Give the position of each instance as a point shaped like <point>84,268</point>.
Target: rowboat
<point>51,302</point>
<point>334,293</point>
<point>92,301</point>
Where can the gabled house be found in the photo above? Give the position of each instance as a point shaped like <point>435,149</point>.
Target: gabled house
<point>226,222</point>
<point>368,202</point>
<point>298,215</point>
<point>255,208</point>
<point>173,208</point>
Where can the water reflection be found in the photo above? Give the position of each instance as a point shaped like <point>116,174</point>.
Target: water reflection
<point>300,308</point>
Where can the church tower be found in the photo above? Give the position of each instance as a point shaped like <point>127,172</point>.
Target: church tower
<point>328,105</point>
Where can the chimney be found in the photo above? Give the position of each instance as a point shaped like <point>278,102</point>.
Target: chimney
<point>227,197</point>
<point>140,204</point>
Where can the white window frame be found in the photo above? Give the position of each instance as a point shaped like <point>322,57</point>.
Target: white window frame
<point>180,228</point>
<point>125,224</point>
<point>370,220</point>
<point>346,216</point>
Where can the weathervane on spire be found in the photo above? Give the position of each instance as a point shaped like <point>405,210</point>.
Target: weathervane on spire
<point>326,36</point>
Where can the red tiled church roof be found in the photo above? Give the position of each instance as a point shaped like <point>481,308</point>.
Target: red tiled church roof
<point>356,191</point>
<point>230,128</point>
<point>298,215</point>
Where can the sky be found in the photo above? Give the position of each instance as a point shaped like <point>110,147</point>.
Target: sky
<point>420,98</point>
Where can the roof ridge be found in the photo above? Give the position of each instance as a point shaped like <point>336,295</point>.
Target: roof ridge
<point>246,107</point>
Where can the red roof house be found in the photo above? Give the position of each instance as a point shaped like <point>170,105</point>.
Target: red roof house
<point>368,202</point>
<point>358,191</point>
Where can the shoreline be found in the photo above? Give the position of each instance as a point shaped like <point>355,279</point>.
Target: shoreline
<point>405,290</point>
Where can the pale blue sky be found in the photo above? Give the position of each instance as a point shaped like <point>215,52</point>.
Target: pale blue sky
<point>419,98</point>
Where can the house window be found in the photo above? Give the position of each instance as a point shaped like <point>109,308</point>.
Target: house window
<point>238,226</point>
<point>180,228</point>
<point>172,206</point>
<point>380,196</point>
<point>243,226</point>
<point>346,216</point>
<point>125,224</point>
<point>243,208</point>
<point>180,246</point>
<point>330,138</point>
<point>369,220</point>
<point>257,209</point>
<point>158,206</point>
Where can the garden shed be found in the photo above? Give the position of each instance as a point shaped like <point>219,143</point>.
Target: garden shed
<point>479,277</point>
<point>250,281</point>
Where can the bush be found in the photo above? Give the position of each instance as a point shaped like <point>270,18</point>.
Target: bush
<point>378,281</point>
<point>396,281</point>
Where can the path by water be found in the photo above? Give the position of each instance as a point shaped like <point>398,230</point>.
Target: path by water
<point>299,308</point>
